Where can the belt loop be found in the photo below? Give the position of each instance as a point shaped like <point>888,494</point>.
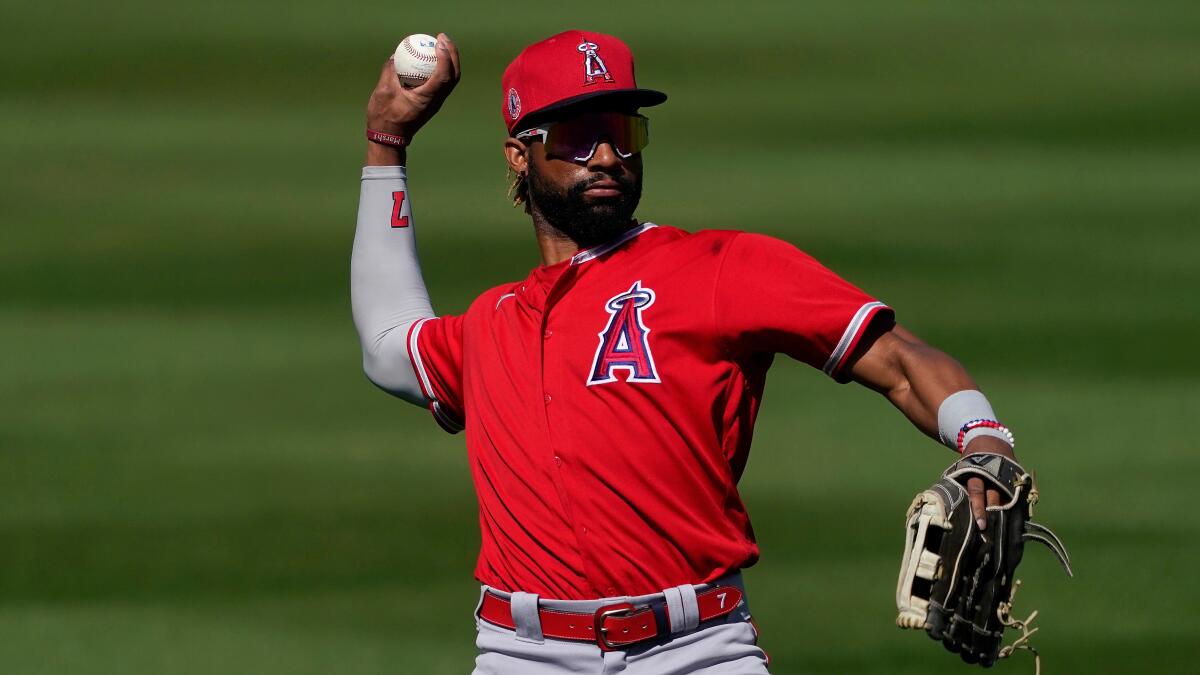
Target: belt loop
<point>483,589</point>
<point>691,609</point>
<point>674,609</point>
<point>525,617</point>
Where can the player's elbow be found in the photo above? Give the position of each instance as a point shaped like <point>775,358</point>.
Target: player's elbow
<point>393,382</point>
<point>391,371</point>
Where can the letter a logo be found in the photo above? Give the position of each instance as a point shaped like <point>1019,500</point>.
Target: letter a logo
<point>593,65</point>
<point>623,342</point>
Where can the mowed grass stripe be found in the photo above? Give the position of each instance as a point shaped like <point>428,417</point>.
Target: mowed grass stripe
<point>196,477</point>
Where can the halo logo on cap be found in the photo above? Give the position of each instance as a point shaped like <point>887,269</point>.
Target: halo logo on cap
<point>514,104</point>
<point>593,65</point>
<point>568,72</point>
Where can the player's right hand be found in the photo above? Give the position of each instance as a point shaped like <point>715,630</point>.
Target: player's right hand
<point>396,109</point>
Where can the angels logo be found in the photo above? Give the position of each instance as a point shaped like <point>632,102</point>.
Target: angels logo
<point>623,342</point>
<point>593,65</point>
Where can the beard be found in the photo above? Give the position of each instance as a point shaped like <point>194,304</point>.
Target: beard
<point>587,223</point>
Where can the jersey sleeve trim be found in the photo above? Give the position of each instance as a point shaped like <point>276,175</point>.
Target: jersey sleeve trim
<point>445,418</point>
<point>853,333</point>
<point>414,356</point>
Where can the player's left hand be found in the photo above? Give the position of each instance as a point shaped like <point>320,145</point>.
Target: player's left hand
<point>979,497</point>
<point>956,582</point>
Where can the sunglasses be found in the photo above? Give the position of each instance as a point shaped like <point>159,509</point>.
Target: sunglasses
<point>577,138</point>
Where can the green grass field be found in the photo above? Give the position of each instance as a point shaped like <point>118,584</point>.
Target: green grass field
<point>195,477</point>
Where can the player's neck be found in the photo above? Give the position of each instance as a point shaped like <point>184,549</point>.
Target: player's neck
<point>557,246</point>
<point>554,245</point>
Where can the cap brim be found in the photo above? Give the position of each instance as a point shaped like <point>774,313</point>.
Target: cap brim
<point>619,99</point>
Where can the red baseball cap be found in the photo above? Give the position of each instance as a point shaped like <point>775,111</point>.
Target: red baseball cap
<point>567,70</point>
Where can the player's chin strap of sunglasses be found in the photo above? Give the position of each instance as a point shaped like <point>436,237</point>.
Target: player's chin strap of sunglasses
<point>617,626</point>
<point>577,138</point>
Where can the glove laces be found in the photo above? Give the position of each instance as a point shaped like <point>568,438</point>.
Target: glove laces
<point>1004,613</point>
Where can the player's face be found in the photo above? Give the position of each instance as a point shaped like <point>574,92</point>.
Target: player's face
<point>590,196</point>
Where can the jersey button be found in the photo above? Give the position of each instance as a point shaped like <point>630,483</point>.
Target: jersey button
<point>557,460</point>
<point>547,399</point>
<point>548,333</point>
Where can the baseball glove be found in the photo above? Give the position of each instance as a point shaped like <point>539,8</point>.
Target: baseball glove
<point>956,582</point>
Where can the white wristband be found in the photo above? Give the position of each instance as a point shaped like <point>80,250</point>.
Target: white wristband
<point>964,416</point>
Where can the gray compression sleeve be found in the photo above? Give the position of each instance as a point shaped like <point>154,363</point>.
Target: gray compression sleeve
<point>387,292</point>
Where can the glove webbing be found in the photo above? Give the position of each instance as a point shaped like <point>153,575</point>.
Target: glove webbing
<point>1004,610</point>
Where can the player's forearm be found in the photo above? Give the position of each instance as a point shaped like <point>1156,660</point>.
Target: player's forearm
<point>924,378</point>
<point>931,378</point>
<point>386,288</point>
<point>918,380</point>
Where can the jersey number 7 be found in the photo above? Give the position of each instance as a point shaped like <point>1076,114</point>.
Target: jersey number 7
<point>397,203</point>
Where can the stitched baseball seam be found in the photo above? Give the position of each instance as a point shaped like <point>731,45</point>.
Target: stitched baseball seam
<point>413,75</point>
<point>420,57</point>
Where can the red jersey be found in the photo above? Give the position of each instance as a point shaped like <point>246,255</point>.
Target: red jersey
<point>609,402</point>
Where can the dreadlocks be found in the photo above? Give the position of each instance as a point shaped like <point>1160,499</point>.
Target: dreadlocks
<point>518,189</point>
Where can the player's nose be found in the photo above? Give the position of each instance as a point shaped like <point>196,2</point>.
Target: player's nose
<point>606,156</point>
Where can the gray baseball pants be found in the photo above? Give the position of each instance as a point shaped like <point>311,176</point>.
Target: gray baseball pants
<point>724,646</point>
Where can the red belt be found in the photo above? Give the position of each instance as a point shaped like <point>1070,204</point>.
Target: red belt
<point>613,626</point>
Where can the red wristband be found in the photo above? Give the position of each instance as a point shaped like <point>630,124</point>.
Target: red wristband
<point>386,138</point>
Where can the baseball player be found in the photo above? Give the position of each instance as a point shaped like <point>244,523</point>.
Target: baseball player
<point>609,397</point>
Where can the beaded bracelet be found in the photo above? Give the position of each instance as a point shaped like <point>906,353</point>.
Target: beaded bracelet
<point>983,424</point>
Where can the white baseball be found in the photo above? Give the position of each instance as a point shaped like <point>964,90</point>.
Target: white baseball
<point>415,59</point>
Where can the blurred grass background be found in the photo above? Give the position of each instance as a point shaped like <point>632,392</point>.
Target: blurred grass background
<point>196,478</point>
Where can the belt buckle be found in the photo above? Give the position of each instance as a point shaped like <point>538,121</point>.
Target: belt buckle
<point>619,610</point>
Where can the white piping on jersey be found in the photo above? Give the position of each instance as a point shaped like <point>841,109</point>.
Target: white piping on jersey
<point>596,252</point>
<point>416,358</point>
<point>856,325</point>
<point>445,418</point>
<point>504,297</point>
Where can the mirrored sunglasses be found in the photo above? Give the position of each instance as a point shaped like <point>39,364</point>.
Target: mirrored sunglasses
<point>576,139</point>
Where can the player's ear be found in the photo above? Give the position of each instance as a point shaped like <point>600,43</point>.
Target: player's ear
<point>518,159</point>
